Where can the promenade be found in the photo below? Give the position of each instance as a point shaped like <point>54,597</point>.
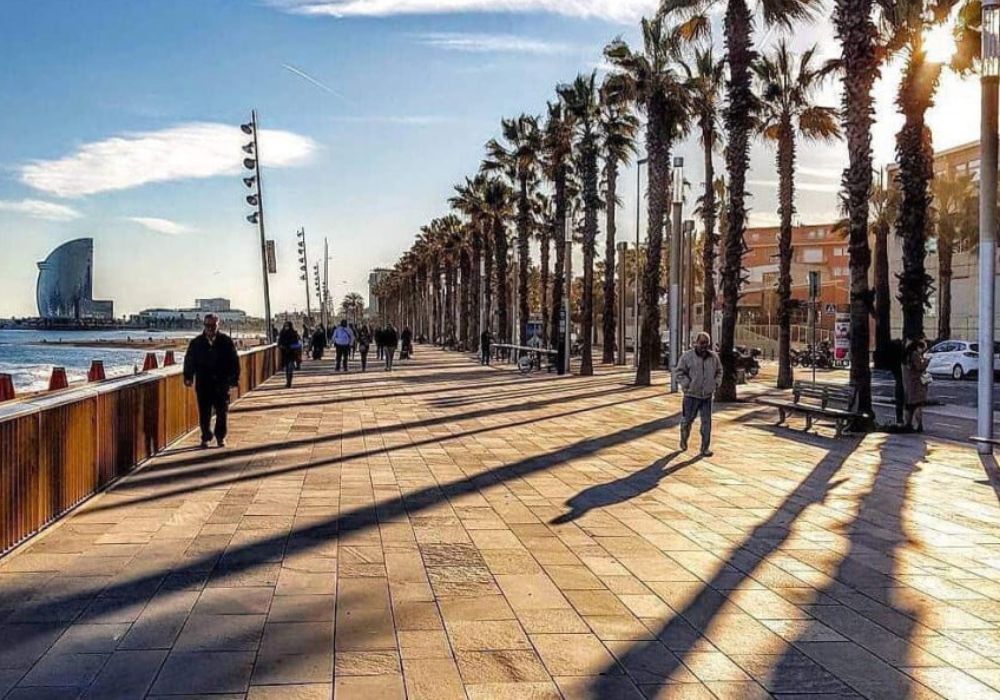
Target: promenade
<point>454,531</point>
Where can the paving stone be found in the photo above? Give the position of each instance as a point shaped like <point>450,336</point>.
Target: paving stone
<point>205,672</point>
<point>127,674</point>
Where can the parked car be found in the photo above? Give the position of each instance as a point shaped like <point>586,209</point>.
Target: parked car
<point>958,358</point>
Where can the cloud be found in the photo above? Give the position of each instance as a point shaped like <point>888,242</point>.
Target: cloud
<point>799,186</point>
<point>186,151</point>
<point>493,43</point>
<point>624,11</point>
<point>37,209</point>
<point>402,120</point>
<point>166,226</point>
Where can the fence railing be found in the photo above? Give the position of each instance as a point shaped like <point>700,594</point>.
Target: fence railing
<point>57,450</point>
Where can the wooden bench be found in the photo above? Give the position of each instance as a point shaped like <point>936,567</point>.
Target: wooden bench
<point>994,442</point>
<point>512,353</point>
<point>817,400</point>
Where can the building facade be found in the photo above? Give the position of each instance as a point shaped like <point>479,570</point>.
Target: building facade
<point>190,317</point>
<point>65,284</point>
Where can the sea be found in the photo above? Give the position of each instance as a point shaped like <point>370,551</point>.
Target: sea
<point>29,355</point>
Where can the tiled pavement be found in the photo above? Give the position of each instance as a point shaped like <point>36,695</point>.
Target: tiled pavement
<point>451,531</point>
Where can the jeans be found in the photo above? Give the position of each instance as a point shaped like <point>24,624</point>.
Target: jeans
<point>364,359</point>
<point>213,398</point>
<point>692,407</point>
<point>342,351</point>
<point>485,356</point>
<point>389,352</point>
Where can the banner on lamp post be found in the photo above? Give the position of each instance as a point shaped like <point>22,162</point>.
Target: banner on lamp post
<point>272,262</point>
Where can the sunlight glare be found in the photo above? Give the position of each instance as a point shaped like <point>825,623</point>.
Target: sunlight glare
<point>939,43</point>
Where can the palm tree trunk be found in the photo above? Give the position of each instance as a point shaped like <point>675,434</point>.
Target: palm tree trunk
<point>475,288</point>
<point>464,317</point>
<point>786,207</point>
<point>449,303</point>
<point>738,118</point>
<point>852,19</point>
<point>559,274</point>
<point>708,216</point>
<point>611,231</point>
<point>437,325</point>
<point>500,257</point>
<point>591,202</point>
<point>544,280</point>
<point>883,294</point>
<point>945,255</point>
<point>488,278</point>
<point>523,260</point>
<point>658,148</point>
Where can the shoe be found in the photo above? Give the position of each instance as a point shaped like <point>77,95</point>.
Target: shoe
<point>685,432</point>
<point>204,444</point>
<point>706,453</point>
<point>221,442</point>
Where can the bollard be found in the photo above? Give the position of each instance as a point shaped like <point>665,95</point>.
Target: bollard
<point>58,379</point>
<point>96,373</point>
<point>150,362</point>
<point>6,387</point>
<point>168,359</point>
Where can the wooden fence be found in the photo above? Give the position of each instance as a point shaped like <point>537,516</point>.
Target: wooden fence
<point>58,450</point>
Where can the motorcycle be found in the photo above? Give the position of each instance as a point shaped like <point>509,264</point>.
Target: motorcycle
<point>746,360</point>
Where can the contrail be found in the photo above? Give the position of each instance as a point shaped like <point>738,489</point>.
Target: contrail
<point>321,86</point>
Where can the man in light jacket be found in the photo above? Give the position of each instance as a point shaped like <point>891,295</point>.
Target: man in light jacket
<point>699,372</point>
<point>343,341</point>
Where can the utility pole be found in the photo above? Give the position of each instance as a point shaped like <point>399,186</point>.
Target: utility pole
<point>258,218</point>
<point>989,79</point>
<point>638,209</point>
<point>622,287</point>
<point>326,282</point>
<point>304,267</point>
<point>568,268</point>
<point>675,270</point>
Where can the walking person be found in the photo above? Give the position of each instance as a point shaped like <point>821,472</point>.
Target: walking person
<point>699,373</point>
<point>343,340</point>
<point>289,345</point>
<point>485,340</point>
<point>212,366</point>
<point>364,343</point>
<point>406,338</point>
<point>378,336</point>
<point>895,356</point>
<point>390,340</point>
<point>915,383</point>
<point>318,343</point>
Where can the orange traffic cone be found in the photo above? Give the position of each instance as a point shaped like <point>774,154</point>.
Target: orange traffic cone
<point>168,359</point>
<point>150,362</point>
<point>96,373</point>
<point>6,387</point>
<point>58,379</point>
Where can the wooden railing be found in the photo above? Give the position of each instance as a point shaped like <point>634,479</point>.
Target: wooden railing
<point>57,450</point>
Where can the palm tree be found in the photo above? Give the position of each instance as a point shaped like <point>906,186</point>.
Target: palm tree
<point>738,29</point>
<point>719,196</point>
<point>518,159</point>
<point>883,211</point>
<point>706,77</point>
<point>468,200</point>
<point>557,151</point>
<point>655,86</point>
<point>956,224</point>
<point>353,306</point>
<point>581,98</point>
<point>787,112</point>
<point>543,225</point>
<point>618,128</point>
<point>497,209</point>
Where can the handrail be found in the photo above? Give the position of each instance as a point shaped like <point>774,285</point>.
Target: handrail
<point>57,450</point>
<point>525,348</point>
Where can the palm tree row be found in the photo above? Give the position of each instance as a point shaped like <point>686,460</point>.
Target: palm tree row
<point>545,175</point>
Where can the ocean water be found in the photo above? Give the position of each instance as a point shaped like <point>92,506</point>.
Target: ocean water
<point>29,355</point>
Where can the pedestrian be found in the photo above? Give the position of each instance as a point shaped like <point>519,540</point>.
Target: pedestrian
<point>406,337</point>
<point>379,336</point>
<point>390,340</point>
<point>894,359</point>
<point>364,343</point>
<point>354,339</point>
<point>915,383</point>
<point>289,346</point>
<point>318,342</point>
<point>699,373</point>
<point>212,365</point>
<point>485,340</point>
<point>343,339</point>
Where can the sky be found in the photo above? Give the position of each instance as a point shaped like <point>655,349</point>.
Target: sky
<point>120,122</point>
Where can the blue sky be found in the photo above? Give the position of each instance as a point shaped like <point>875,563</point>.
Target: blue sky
<point>116,113</point>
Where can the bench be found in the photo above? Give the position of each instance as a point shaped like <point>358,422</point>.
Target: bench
<point>512,353</point>
<point>994,442</point>
<point>817,400</point>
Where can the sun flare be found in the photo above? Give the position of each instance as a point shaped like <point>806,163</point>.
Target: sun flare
<point>939,43</point>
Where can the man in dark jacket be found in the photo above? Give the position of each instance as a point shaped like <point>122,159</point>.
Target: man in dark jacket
<point>212,365</point>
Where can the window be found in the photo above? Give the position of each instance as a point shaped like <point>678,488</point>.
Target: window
<point>812,255</point>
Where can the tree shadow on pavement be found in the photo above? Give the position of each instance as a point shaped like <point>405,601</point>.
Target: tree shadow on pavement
<point>624,489</point>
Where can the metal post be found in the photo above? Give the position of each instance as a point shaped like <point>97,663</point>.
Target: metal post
<point>482,296</point>
<point>305,275</point>
<point>326,284</point>
<point>568,267</point>
<point>260,228</point>
<point>987,217</point>
<point>622,287</point>
<point>689,293</point>
<point>638,209</point>
<point>675,270</point>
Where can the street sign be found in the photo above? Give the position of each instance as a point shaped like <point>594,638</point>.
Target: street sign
<point>830,308</point>
<point>272,263</point>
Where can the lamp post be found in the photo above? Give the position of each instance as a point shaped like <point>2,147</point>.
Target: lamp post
<point>688,229</point>
<point>638,209</point>
<point>989,79</point>
<point>675,269</point>
<point>622,287</point>
<point>304,267</point>
<point>256,200</point>
<point>482,297</point>
<point>568,347</point>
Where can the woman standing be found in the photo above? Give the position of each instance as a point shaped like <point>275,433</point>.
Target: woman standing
<point>364,342</point>
<point>390,341</point>
<point>290,345</point>
<point>915,381</point>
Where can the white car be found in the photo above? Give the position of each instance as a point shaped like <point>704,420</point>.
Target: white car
<point>957,358</point>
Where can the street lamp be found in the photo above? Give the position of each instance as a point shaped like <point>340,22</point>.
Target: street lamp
<point>676,234</point>
<point>990,80</point>
<point>568,347</point>
<point>304,267</point>
<point>256,200</point>
<point>638,209</point>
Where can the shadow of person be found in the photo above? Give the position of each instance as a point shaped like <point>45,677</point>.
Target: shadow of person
<point>624,489</point>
